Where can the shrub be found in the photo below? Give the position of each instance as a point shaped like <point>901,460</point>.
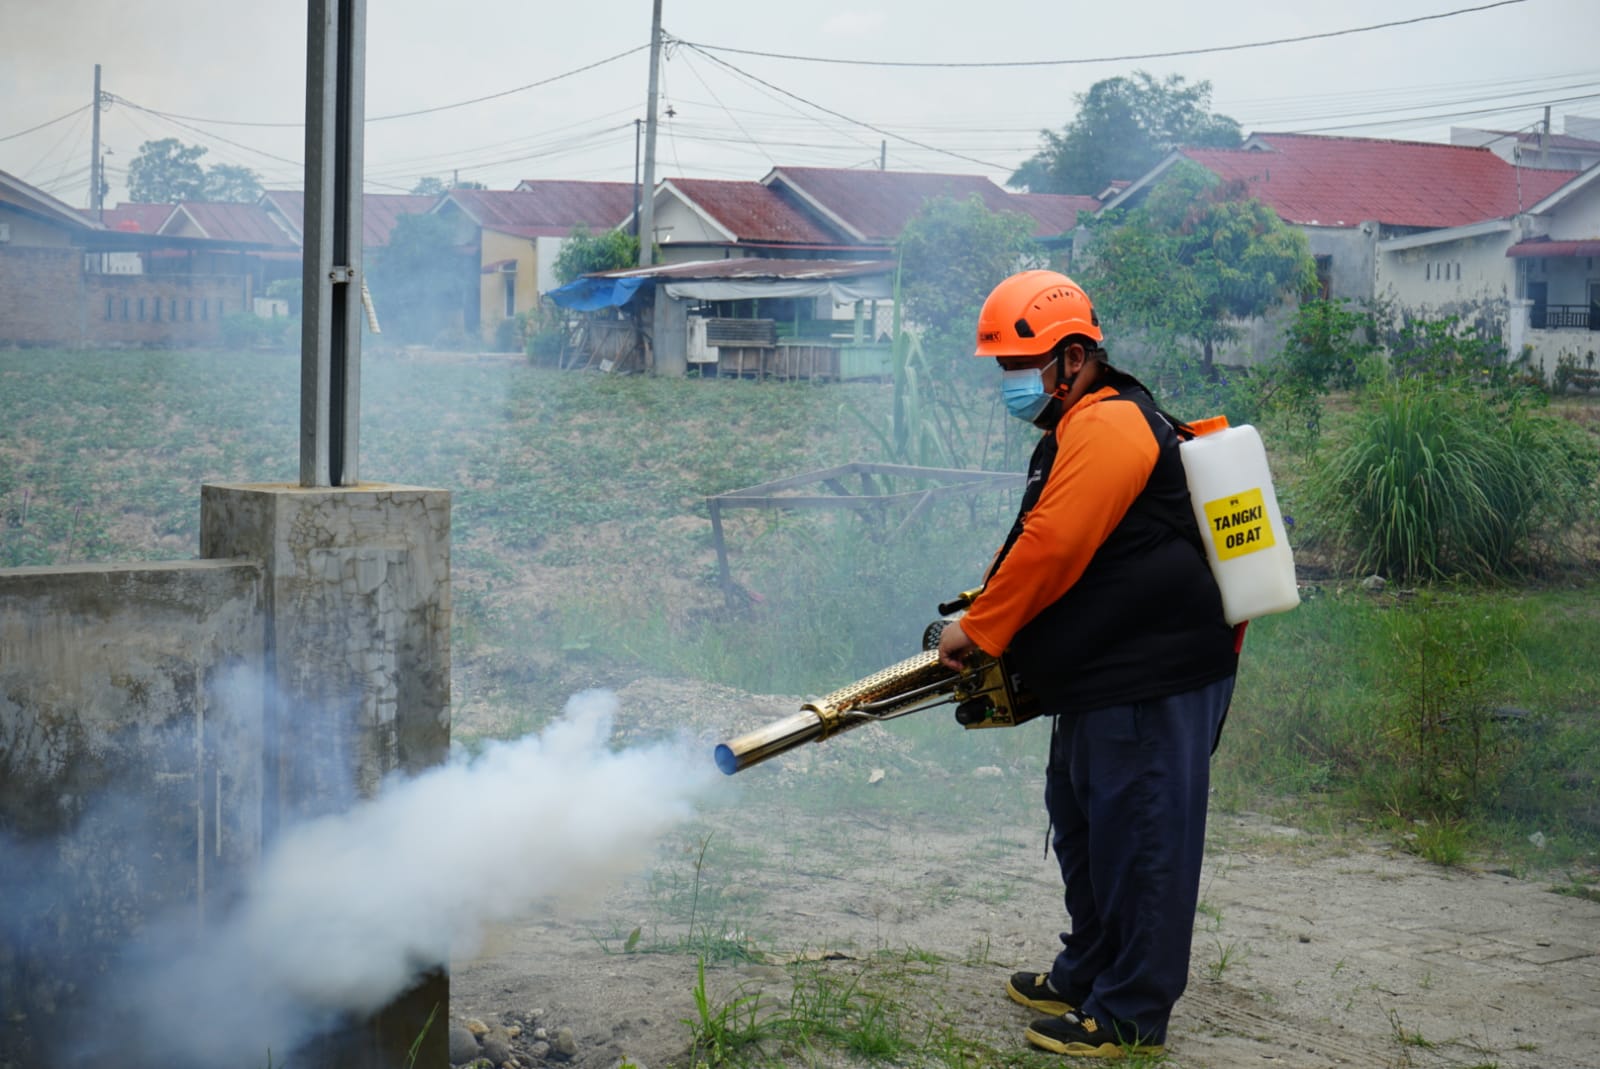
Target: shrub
<point>1432,479</point>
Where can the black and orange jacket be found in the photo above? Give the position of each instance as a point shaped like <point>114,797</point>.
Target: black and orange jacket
<point>1102,594</point>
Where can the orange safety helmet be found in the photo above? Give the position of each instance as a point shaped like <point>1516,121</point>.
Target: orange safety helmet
<point>1028,313</point>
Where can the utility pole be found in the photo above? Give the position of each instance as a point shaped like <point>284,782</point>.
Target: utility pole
<point>97,166</point>
<point>647,214</point>
<point>883,155</point>
<point>636,124</point>
<point>1544,139</point>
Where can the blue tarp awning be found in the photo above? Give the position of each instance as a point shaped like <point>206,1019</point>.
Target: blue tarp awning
<point>590,294</point>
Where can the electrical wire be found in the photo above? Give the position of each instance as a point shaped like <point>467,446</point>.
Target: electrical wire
<point>1102,59</point>
<point>858,122</point>
<point>50,122</point>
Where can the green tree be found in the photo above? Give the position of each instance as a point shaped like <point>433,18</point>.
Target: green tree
<point>1124,127</point>
<point>420,280</point>
<point>166,172</point>
<point>952,253</point>
<point>232,183</point>
<point>584,253</point>
<point>1193,259</point>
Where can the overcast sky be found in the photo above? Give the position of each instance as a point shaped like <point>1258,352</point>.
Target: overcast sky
<point>203,71</point>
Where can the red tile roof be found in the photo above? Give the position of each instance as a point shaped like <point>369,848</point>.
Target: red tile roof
<point>547,208</point>
<point>229,222</point>
<point>1345,181</point>
<point>134,218</point>
<point>754,213</point>
<point>874,206</point>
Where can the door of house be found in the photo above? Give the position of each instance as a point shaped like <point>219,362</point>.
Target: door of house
<point>1594,306</point>
<point>1539,294</point>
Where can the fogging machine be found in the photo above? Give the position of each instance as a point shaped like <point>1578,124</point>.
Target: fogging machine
<point>986,694</point>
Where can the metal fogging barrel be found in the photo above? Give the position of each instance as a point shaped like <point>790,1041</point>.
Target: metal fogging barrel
<point>911,682</point>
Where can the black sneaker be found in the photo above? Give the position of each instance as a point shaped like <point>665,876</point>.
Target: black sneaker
<point>1033,990</point>
<point>1072,1033</point>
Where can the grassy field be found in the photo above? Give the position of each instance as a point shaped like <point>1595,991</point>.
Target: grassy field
<point>1461,721</point>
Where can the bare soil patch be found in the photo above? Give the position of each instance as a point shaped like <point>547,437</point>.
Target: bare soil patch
<point>1309,951</point>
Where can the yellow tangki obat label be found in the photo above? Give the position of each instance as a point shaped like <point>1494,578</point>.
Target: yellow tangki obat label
<point>1239,524</point>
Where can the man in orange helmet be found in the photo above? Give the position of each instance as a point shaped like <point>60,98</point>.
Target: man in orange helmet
<point>1103,602</point>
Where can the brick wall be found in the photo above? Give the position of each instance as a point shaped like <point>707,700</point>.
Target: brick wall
<point>39,290</point>
<point>46,299</point>
<point>174,310</point>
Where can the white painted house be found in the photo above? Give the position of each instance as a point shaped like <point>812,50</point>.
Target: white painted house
<point>1534,276</point>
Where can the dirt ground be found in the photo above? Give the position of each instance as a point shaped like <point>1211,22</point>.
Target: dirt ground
<point>1310,951</point>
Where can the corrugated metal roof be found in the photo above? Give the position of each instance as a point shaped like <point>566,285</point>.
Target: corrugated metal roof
<point>1549,247</point>
<point>547,208</point>
<point>21,195</point>
<point>1054,213</point>
<point>230,222</point>
<point>749,267</point>
<point>378,212</point>
<point>876,205</point>
<point>1345,181</point>
<point>132,218</point>
<point>753,212</point>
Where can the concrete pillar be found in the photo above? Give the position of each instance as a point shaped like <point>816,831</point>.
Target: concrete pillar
<point>356,598</point>
<point>669,331</point>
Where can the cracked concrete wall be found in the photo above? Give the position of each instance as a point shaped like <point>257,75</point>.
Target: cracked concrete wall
<point>130,770</point>
<point>357,601</point>
<point>159,722</point>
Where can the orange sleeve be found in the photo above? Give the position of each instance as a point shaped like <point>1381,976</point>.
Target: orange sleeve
<point>1104,456</point>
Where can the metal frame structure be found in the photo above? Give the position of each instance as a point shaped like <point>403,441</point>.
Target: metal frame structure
<point>330,339</point>
<point>872,500</point>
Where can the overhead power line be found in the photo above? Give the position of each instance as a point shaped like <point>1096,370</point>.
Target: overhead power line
<point>1102,59</point>
<point>50,122</point>
<point>419,111</point>
<point>840,115</point>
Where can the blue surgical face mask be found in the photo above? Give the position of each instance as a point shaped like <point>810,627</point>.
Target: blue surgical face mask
<point>1023,392</point>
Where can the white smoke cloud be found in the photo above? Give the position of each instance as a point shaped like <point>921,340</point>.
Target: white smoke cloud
<point>348,910</point>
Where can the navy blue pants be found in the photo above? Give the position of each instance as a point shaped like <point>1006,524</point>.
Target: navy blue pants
<point>1126,790</point>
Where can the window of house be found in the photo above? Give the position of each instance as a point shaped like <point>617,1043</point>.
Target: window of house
<point>124,309</point>
<point>204,310</point>
<point>1427,271</point>
<point>141,309</point>
<point>173,309</point>
<point>188,310</point>
<point>510,281</point>
<point>156,310</point>
<point>219,307</point>
<point>110,305</point>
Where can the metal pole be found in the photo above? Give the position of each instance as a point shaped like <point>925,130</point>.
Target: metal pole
<point>96,166</point>
<point>330,337</point>
<point>647,214</point>
<point>636,197</point>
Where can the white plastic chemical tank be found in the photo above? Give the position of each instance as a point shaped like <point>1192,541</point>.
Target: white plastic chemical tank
<point>1237,511</point>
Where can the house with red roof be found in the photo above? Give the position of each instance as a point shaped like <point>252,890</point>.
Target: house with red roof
<point>69,279</point>
<point>378,213</point>
<point>1531,276</point>
<point>515,236</point>
<point>872,207</point>
<point>1349,193</point>
<point>820,213</point>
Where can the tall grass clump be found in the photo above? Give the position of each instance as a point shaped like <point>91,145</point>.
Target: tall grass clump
<point>1431,479</point>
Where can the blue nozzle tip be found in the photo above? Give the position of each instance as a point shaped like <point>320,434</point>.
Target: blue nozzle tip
<point>726,760</point>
